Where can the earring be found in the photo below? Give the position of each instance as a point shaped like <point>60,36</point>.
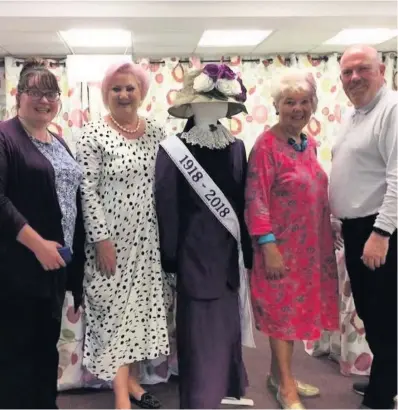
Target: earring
<point>277,112</point>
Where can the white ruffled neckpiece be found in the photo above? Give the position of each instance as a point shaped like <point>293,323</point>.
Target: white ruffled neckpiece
<point>215,137</point>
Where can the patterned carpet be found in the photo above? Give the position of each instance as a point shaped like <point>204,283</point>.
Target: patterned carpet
<point>336,390</point>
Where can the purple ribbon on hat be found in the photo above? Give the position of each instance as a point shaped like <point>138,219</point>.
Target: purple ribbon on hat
<point>243,95</point>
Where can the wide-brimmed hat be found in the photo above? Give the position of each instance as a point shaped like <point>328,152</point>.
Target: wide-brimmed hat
<point>213,83</point>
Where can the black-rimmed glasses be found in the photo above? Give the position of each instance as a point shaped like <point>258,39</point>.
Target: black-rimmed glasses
<point>37,95</point>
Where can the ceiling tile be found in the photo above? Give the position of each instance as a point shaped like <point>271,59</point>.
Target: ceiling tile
<point>9,37</point>
<point>294,40</point>
<point>325,48</point>
<point>101,50</point>
<point>166,38</point>
<point>25,49</point>
<point>224,51</point>
<point>163,34</point>
<point>390,45</point>
<point>163,51</point>
<point>286,49</point>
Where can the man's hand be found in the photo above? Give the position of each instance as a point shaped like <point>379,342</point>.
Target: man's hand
<point>375,251</point>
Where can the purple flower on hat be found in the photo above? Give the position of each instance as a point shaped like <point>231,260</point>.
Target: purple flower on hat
<point>226,83</point>
<point>216,72</point>
<point>243,95</point>
<point>226,73</point>
<point>211,70</point>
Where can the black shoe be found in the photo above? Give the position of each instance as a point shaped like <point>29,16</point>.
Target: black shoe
<point>360,387</point>
<point>147,401</point>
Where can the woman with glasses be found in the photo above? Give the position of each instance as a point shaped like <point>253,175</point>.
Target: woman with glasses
<point>41,242</point>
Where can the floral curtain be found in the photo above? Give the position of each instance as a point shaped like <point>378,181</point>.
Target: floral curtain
<point>81,102</point>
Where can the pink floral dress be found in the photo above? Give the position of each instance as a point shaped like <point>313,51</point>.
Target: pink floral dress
<point>287,194</point>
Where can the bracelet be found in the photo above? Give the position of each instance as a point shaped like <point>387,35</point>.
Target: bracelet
<point>266,239</point>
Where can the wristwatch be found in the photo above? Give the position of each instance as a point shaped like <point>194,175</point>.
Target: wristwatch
<point>381,232</point>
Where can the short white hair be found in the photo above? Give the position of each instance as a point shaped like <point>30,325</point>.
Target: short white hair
<point>294,80</point>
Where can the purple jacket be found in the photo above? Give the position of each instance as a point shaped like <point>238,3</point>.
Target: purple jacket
<point>193,243</point>
<point>28,195</point>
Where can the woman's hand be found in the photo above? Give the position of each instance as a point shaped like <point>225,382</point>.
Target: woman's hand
<point>337,234</point>
<point>47,254</point>
<point>273,261</point>
<point>106,257</point>
<point>338,241</point>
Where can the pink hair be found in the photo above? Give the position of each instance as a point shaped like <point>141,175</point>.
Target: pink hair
<point>138,72</point>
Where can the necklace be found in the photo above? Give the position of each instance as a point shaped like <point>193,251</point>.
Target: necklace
<point>298,147</point>
<point>129,131</point>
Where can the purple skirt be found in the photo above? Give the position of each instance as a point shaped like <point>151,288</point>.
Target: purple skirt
<point>210,364</point>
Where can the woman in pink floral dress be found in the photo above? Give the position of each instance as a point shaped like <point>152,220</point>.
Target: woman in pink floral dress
<point>294,279</point>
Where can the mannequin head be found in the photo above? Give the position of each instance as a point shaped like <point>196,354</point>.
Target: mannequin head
<point>213,83</point>
<point>206,114</point>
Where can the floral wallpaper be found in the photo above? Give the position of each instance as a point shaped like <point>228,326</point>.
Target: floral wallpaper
<point>81,103</point>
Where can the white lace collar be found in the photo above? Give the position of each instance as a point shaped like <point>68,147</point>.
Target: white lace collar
<point>216,137</point>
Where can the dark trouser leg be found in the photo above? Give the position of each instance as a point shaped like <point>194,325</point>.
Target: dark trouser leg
<point>48,364</point>
<point>17,378</point>
<point>209,351</point>
<point>375,297</point>
<point>27,353</point>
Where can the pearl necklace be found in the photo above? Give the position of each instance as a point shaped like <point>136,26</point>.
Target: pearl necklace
<point>126,129</point>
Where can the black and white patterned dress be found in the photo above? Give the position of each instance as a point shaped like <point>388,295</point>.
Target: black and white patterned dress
<point>126,314</point>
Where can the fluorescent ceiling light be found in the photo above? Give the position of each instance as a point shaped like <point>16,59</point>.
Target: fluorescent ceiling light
<point>232,38</point>
<point>362,36</point>
<point>97,38</point>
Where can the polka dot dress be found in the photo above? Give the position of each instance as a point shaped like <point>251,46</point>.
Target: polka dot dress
<point>126,314</point>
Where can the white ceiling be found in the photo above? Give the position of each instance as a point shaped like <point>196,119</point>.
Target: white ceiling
<point>173,28</point>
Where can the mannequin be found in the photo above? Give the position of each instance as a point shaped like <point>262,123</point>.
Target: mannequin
<point>208,114</point>
<point>197,246</point>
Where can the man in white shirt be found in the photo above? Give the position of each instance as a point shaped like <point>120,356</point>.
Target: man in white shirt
<point>363,195</point>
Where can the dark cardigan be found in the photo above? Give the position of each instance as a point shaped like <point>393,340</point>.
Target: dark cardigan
<point>28,195</point>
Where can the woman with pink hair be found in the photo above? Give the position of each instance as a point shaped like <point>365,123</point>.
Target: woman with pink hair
<point>125,289</point>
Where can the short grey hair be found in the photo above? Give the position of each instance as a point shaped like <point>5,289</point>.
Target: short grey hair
<point>370,51</point>
<point>294,80</point>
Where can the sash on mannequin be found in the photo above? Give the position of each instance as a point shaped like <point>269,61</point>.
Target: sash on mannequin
<point>219,205</point>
